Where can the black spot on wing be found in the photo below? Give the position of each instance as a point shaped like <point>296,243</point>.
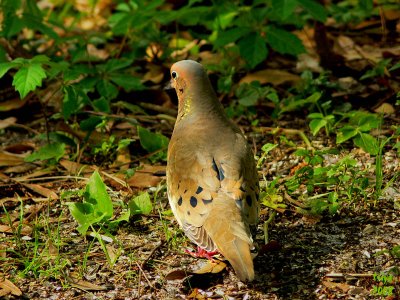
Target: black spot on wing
<point>249,201</point>
<point>180,201</point>
<point>199,190</point>
<point>188,213</point>
<point>207,201</point>
<point>219,171</point>
<point>193,201</point>
<point>215,168</point>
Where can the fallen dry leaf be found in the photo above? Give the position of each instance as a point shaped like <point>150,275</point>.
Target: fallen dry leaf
<point>7,287</point>
<point>76,168</point>
<point>13,104</point>
<point>385,108</point>
<point>215,266</point>
<point>19,169</point>
<point>85,285</point>
<point>154,74</point>
<point>41,190</point>
<point>333,285</point>
<point>147,176</point>
<point>7,122</point>
<point>204,267</point>
<point>9,159</point>
<point>272,76</point>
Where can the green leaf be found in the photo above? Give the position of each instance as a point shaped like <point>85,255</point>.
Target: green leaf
<point>250,98</point>
<point>284,8</point>
<point>117,64</point>
<point>96,194</point>
<point>127,81</point>
<point>230,36</point>
<point>284,41</point>
<point>41,59</point>
<point>107,89</point>
<point>70,102</point>
<point>28,78</point>
<point>5,67</point>
<point>367,5</point>
<point>253,49</point>
<point>123,217</point>
<point>83,213</point>
<point>315,116</point>
<point>223,20</point>
<point>49,151</point>
<point>102,105</point>
<point>34,22</point>
<point>152,141</point>
<point>345,133</point>
<point>316,10</point>
<point>141,205</point>
<point>316,125</point>
<point>367,142</point>
<point>268,147</point>
<point>90,123</point>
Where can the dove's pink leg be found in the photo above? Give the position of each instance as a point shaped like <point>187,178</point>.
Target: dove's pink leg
<point>201,253</point>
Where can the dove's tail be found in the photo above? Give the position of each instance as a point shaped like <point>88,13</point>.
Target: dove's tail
<point>232,237</point>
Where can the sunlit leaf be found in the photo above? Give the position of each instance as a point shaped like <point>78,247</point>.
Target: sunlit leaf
<point>141,204</point>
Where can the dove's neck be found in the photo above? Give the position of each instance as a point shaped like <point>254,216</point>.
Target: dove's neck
<point>199,102</point>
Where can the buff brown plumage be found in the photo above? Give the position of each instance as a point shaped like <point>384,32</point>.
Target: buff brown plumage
<point>212,180</point>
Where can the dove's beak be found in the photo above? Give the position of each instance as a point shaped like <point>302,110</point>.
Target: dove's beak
<point>169,85</point>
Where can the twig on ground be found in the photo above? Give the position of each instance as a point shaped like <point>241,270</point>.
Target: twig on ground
<point>152,253</point>
<point>144,275</point>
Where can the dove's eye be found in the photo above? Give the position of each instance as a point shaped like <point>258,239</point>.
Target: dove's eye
<point>174,75</point>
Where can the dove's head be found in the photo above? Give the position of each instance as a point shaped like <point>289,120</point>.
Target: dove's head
<point>186,75</point>
<point>194,90</point>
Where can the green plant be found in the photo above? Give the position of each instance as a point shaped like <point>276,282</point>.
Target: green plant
<point>110,147</point>
<point>52,152</point>
<point>333,183</point>
<point>154,143</point>
<point>96,208</point>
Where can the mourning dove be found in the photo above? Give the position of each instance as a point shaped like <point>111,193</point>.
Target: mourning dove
<point>212,180</point>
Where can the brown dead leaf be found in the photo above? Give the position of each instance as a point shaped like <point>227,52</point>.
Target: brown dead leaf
<point>147,176</point>
<point>20,148</point>
<point>100,54</point>
<point>25,167</point>
<point>177,275</point>
<point>272,76</point>
<point>53,250</point>
<point>336,285</point>
<point>7,287</point>
<point>25,230</point>
<point>5,229</point>
<point>154,74</point>
<point>13,104</point>
<point>385,108</point>
<point>9,159</point>
<point>205,267</point>
<point>41,190</point>
<point>36,174</point>
<point>75,168</point>
<point>196,294</point>
<point>210,266</point>
<point>85,285</point>
<point>7,122</point>
<point>123,158</point>
<point>307,61</point>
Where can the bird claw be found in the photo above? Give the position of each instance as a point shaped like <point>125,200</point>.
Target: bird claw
<point>201,253</point>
